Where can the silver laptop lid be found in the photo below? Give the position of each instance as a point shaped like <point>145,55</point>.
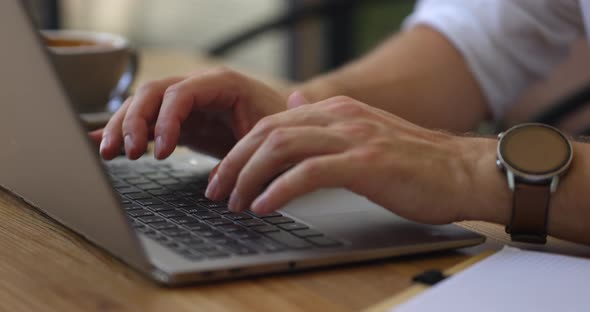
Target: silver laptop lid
<point>46,157</point>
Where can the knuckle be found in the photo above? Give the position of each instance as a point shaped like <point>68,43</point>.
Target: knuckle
<point>310,171</point>
<point>148,87</point>
<point>279,139</point>
<point>173,90</point>
<point>227,73</point>
<point>265,125</point>
<point>370,153</point>
<point>346,106</point>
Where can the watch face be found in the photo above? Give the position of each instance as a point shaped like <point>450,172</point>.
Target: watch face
<point>535,149</point>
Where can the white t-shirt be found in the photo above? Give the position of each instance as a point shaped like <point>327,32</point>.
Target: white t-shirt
<point>508,44</point>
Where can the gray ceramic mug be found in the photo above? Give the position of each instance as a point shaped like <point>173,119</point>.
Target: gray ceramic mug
<point>96,68</point>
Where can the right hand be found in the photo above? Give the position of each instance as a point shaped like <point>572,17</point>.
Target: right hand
<point>207,111</point>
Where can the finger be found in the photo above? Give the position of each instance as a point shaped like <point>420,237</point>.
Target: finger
<point>283,148</point>
<point>296,99</point>
<point>212,173</point>
<point>217,90</point>
<point>237,158</point>
<point>96,136</point>
<point>310,175</point>
<point>112,137</point>
<point>142,113</point>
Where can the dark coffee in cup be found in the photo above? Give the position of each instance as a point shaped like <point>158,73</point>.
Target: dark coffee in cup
<point>95,68</point>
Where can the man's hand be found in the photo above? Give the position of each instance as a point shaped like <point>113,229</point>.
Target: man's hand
<point>208,111</point>
<point>419,174</point>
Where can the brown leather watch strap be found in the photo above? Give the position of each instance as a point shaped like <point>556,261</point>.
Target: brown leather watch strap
<point>529,213</point>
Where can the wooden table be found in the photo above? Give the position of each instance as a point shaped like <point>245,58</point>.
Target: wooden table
<point>46,267</point>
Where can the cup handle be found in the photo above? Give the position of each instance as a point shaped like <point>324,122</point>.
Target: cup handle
<point>121,91</point>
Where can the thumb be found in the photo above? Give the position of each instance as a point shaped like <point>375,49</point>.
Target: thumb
<point>296,99</point>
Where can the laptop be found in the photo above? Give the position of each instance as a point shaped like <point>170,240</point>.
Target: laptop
<point>153,215</point>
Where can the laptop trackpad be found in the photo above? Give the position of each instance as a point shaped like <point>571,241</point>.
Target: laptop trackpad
<point>328,202</point>
<point>345,215</point>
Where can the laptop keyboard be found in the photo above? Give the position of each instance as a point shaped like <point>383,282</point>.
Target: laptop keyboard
<point>169,206</point>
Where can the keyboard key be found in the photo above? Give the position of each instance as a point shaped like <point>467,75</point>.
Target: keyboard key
<point>138,225</point>
<point>176,232</point>
<point>264,245</point>
<point>212,205</point>
<point>160,192</point>
<point>197,226</point>
<point>230,228</point>
<point>288,240</point>
<point>184,220</point>
<point>140,213</point>
<point>278,220</point>
<point>266,229</point>
<point>181,203</point>
<point>127,175</point>
<point>270,215</point>
<point>151,219</point>
<point>190,240</point>
<point>191,210</point>
<point>172,213</point>
<point>218,221</point>
<point>168,181</point>
<point>222,241</point>
<point>126,190</point>
<point>169,197</point>
<point>293,226</point>
<point>163,225</point>
<point>156,176</point>
<point>138,195</point>
<point>221,211</point>
<point>119,184</point>
<point>323,241</point>
<point>205,215</point>
<point>150,202</point>
<point>238,216</point>
<point>160,208</point>
<point>251,222</point>
<point>146,231</point>
<point>147,186</point>
<point>243,234</point>
<point>209,233</point>
<point>307,233</point>
<point>140,180</point>
<point>131,206</point>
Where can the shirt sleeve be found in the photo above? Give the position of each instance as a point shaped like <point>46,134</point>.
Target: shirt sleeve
<point>508,44</point>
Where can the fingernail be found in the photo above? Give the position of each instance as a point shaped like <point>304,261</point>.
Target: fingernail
<point>234,202</point>
<point>211,191</point>
<point>259,204</point>
<point>158,146</point>
<point>128,144</point>
<point>104,143</point>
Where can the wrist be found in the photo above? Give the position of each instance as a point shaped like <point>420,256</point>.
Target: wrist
<point>488,197</point>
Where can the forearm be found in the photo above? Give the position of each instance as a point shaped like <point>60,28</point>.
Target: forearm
<point>491,199</point>
<point>418,75</point>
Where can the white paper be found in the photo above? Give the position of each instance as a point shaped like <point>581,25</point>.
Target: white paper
<point>511,280</point>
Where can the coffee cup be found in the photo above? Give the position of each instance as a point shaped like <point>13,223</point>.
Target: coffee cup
<point>96,68</point>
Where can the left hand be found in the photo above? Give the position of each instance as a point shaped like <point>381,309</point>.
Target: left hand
<point>422,175</point>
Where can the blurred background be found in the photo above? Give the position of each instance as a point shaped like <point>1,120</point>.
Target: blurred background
<point>289,39</point>
<point>293,39</point>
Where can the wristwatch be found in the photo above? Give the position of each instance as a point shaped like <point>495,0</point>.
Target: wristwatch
<point>534,157</point>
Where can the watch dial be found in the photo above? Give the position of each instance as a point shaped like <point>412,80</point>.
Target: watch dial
<point>535,149</point>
